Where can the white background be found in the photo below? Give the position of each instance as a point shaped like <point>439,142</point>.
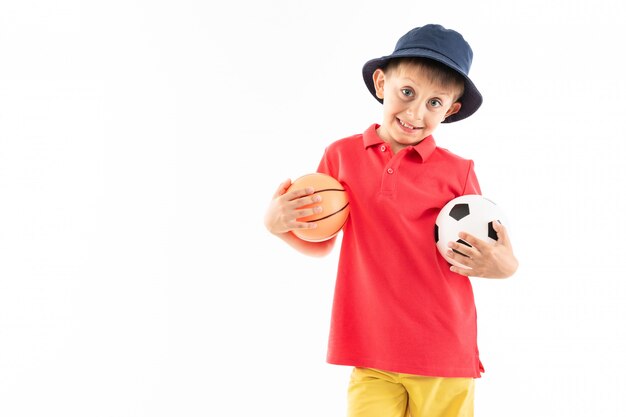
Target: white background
<point>140,144</point>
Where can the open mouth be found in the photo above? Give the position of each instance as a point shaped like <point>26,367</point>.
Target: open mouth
<point>408,125</point>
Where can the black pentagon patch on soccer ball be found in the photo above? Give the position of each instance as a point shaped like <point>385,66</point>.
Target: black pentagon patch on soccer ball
<point>459,211</point>
<point>436,233</point>
<point>491,232</point>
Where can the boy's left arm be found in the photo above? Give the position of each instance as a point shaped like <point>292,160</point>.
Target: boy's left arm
<point>482,259</point>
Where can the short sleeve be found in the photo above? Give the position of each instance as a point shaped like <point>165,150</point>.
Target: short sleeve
<point>471,182</point>
<point>324,165</point>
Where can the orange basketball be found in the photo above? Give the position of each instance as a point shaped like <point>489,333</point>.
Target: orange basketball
<point>335,207</point>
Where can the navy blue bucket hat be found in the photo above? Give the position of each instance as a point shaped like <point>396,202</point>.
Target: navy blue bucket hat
<point>442,45</point>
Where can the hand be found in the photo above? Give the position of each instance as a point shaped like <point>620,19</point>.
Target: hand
<point>483,259</point>
<point>284,210</point>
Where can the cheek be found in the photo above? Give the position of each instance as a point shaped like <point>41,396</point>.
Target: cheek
<point>390,109</point>
<point>394,106</point>
<point>433,120</point>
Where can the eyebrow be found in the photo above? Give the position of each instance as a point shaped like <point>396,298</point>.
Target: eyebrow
<point>438,93</point>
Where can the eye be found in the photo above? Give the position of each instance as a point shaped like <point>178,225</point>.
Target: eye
<point>434,102</point>
<point>407,92</point>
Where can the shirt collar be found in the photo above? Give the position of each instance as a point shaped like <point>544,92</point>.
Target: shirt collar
<point>425,148</point>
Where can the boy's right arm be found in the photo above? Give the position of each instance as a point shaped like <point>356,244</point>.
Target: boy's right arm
<point>283,212</point>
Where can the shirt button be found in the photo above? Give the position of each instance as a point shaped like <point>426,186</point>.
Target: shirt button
<point>383,148</point>
<point>389,170</point>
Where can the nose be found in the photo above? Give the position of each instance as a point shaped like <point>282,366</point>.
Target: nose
<point>416,111</point>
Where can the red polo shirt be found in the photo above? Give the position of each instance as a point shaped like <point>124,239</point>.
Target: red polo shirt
<point>397,306</point>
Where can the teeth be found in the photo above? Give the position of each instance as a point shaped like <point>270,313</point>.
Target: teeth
<point>406,125</point>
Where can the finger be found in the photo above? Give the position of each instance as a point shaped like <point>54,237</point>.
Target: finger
<point>459,258</point>
<point>306,212</point>
<point>479,244</point>
<point>282,188</point>
<point>461,271</point>
<point>298,193</point>
<point>503,235</point>
<point>303,225</point>
<point>304,202</point>
<point>462,248</point>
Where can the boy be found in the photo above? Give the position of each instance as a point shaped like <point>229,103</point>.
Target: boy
<point>402,316</point>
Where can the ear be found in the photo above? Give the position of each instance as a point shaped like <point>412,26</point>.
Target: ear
<point>379,83</point>
<point>454,108</point>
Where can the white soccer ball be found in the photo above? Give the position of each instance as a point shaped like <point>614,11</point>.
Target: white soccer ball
<point>473,214</point>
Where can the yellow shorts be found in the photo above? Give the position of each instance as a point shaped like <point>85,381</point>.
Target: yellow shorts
<point>374,393</point>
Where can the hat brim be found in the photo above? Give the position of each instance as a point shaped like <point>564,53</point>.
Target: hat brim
<point>470,101</point>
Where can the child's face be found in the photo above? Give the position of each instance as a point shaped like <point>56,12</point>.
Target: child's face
<point>413,106</point>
